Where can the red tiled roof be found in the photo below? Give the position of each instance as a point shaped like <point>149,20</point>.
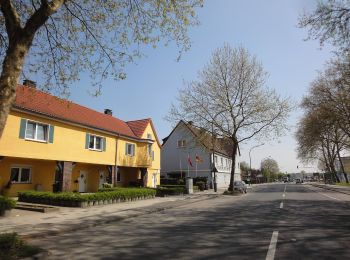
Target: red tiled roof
<point>138,126</point>
<point>37,101</point>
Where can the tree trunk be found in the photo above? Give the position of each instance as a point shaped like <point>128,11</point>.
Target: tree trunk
<point>342,166</point>
<point>233,166</point>
<point>11,70</point>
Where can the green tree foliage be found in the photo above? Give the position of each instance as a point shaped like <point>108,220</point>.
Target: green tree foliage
<point>59,39</point>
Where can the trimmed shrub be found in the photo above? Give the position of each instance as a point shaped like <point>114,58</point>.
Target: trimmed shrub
<point>12,247</point>
<point>71,199</point>
<point>6,203</point>
<point>107,185</point>
<point>170,190</point>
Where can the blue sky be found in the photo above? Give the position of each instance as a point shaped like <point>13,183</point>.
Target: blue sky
<point>267,29</point>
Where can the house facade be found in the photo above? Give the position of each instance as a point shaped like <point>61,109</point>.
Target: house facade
<point>187,145</point>
<point>52,144</point>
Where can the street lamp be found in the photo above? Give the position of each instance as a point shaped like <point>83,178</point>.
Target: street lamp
<point>250,158</point>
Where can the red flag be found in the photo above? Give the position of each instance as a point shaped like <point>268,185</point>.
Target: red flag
<point>198,159</point>
<point>189,160</point>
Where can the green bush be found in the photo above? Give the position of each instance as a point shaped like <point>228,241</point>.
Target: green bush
<point>6,203</point>
<point>107,185</point>
<point>12,247</point>
<point>170,190</point>
<point>75,199</point>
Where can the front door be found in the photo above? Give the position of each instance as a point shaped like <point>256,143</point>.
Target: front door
<point>82,181</point>
<point>102,179</point>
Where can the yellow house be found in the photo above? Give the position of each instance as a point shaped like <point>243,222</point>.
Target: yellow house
<point>52,144</point>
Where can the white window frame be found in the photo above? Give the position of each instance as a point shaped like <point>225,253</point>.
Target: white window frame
<point>36,131</point>
<point>94,138</point>
<point>20,167</point>
<point>132,149</point>
<point>181,143</point>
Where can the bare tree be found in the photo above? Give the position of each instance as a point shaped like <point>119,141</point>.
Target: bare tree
<point>59,39</point>
<point>330,21</point>
<point>230,95</point>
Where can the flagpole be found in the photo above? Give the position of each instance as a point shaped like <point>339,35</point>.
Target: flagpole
<point>196,166</point>
<point>188,166</point>
<point>180,166</point>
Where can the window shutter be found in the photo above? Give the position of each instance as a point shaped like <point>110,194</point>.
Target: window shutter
<point>133,150</point>
<point>22,128</point>
<point>51,133</point>
<point>87,140</point>
<point>126,149</point>
<point>152,155</point>
<point>104,144</point>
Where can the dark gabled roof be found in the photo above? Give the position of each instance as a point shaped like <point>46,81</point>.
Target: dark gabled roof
<point>222,145</point>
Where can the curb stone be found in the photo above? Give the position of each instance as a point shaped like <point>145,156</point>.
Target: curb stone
<point>331,188</point>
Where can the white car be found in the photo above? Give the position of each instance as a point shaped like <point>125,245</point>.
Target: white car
<point>240,186</point>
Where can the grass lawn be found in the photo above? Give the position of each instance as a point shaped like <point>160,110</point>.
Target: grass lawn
<point>343,184</point>
<point>12,247</point>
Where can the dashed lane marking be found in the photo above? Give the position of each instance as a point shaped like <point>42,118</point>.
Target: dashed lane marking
<point>281,205</point>
<point>328,196</point>
<point>272,247</point>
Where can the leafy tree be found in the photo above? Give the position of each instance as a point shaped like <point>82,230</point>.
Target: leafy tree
<point>269,168</point>
<point>244,167</point>
<point>231,99</point>
<point>59,39</point>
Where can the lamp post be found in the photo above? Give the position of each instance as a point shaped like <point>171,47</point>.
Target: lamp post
<point>250,158</point>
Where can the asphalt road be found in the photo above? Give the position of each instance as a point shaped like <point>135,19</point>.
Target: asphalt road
<point>275,221</point>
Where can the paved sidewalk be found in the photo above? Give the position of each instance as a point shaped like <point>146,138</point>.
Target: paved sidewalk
<point>337,188</point>
<point>31,224</point>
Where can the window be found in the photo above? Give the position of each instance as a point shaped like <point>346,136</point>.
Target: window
<point>130,149</point>
<point>149,136</point>
<point>149,148</point>
<point>181,143</point>
<point>216,159</point>
<point>36,131</point>
<point>95,142</point>
<point>222,161</point>
<point>21,174</point>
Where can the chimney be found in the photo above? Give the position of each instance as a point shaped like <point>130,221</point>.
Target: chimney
<point>29,83</point>
<point>108,112</point>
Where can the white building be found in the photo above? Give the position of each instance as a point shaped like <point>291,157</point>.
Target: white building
<point>189,143</point>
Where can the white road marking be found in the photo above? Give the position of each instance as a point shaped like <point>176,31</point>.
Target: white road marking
<point>272,247</point>
<point>283,195</point>
<point>285,186</point>
<point>281,205</point>
<point>328,196</point>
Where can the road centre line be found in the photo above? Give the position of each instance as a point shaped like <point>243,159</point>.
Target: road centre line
<point>283,195</point>
<point>281,205</point>
<point>272,247</point>
<point>285,186</point>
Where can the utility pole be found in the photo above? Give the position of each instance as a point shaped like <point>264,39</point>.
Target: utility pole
<point>250,158</point>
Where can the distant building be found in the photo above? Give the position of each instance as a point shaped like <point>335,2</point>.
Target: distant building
<point>187,151</point>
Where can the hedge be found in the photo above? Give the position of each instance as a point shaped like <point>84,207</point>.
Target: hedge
<point>12,247</point>
<point>71,199</point>
<point>6,204</point>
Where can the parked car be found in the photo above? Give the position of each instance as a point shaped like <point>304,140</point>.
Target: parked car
<point>298,181</point>
<point>240,186</point>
